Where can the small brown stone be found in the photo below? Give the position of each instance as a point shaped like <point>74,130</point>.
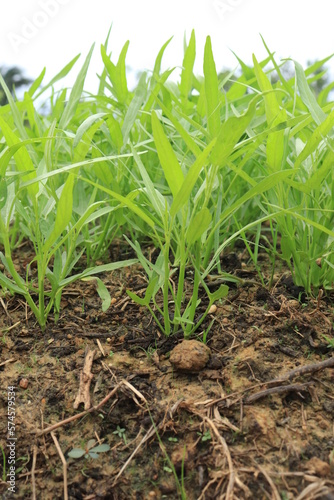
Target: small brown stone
<point>24,383</point>
<point>190,356</point>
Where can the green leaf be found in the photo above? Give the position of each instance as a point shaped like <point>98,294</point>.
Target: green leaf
<point>22,158</point>
<point>221,293</point>
<point>318,135</point>
<point>64,212</point>
<point>76,453</point>
<point>148,294</point>
<point>307,95</point>
<point>188,139</point>
<point>211,90</point>
<point>15,111</point>
<point>154,194</point>
<point>270,100</point>
<point>76,93</point>
<point>187,68</point>
<point>157,64</point>
<point>101,448</point>
<point>198,225</point>
<point>91,271</point>
<point>261,187</point>
<point>167,157</point>
<point>230,133</point>
<point>183,195</point>
<point>3,193</point>
<point>36,84</point>
<point>85,125</point>
<point>134,107</point>
<point>117,73</point>
<point>62,73</point>
<point>102,291</point>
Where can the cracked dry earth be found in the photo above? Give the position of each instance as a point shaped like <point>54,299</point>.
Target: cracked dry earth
<point>255,422</point>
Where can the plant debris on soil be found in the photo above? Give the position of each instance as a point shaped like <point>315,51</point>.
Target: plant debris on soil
<point>257,421</point>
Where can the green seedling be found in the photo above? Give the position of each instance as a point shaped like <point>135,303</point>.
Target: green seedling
<point>205,437</point>
<point>330,341</point>
<point>120,432</point>
<point>89,451</point>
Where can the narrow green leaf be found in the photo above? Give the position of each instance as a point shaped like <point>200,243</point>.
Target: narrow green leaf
<point>260,188</point>
<point>183,195</point>
<point>15,111</point>
<point>62,73</point>
<point>121,73</point>
<point>211,90</point>
<point>117,73</point>
<point>190,142</point>
<point>3,193</point>
<point>307,95</point>
<point>157,64</point>
<point>270,100</point>
<point>64,212</point>
<point>275,144</point>
<point>37,83</point>
<point>85,125</point>
<point>198,225</point>
<point>230,132</point>
<point>103,293</point>
<point>76,93</point>
<point>22,158</point>
<point>115,132</point>
<point>167,157</point>
<point>134,107</point>
<point>187,68</point>
<point>318,135</point>
<point>151,190</point>
<point>91,271</point>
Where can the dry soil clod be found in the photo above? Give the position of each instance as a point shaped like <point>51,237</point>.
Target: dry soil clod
<point>190,356</point>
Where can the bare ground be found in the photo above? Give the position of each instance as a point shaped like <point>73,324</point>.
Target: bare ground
<point>243,427</point>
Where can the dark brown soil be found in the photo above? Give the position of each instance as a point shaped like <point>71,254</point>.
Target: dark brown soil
<point>222,442</point>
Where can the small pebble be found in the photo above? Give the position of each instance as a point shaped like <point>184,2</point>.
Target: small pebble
<point>213,309</point>
<point>24,383</point>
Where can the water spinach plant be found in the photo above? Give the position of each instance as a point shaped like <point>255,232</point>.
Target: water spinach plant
<point>183,167</point>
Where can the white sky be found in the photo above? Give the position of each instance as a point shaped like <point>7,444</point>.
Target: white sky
<point>38,33</point>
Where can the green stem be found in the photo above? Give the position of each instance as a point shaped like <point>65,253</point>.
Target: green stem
<point>166,286</point>
<point>194,297</point>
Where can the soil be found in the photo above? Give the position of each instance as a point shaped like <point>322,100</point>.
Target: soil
<point>241,427</point>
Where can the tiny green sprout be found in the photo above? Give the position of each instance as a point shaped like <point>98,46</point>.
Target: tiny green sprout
<point>330,341</point>
<point>111,353</point>
<point>89,451</point>
<point>173,439</point>
<point>168,469</point>
<point>205,437</point>
<point>120,433</point>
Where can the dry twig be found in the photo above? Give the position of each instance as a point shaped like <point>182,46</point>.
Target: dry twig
<point>33,468</point>
<point>277,390</point>
<point>328,363</point>
<point>85,381</point>
<point>62,458</point>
